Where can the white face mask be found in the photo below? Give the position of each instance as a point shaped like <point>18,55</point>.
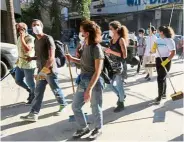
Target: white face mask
<point>81,37</point>
<point>37,30</point>
<point>140,35</point>
<point>111,34</point>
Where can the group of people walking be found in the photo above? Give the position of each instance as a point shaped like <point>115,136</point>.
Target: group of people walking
<point>91,60</point>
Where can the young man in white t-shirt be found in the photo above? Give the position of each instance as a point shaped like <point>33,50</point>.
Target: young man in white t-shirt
<point>148,57</point>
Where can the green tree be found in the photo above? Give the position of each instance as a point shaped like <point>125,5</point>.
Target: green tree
<point>55,15</point>
<point>33,12</point>
<point>82,7</point>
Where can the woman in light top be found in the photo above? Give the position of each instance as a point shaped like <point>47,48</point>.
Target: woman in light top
<point>164,47</point>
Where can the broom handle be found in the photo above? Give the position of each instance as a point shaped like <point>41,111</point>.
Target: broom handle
<point>167,72</point>
<point>171,15</point>
<point>150,42</point>
<point>69,65</point>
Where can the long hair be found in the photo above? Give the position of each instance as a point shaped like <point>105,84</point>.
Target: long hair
<point>122,30</point>
<point>94,31</point>
<point>167,31</point>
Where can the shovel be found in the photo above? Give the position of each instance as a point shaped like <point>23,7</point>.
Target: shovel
<point>176,95</point>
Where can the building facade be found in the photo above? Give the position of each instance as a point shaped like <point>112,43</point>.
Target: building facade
<point>137,14</point>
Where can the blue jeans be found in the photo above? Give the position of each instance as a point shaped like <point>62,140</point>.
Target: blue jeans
<point>20,73</point>
<point>96,102</point>
<point>118,87</point>
<point>52,80</point>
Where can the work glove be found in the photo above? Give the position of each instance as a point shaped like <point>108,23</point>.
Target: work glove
<point>16,63</point>
<point>154,48</point>
<point>165,62</point>
<point>42,74</point>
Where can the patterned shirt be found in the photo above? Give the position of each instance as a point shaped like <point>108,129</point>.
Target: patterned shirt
<point>22,63</point>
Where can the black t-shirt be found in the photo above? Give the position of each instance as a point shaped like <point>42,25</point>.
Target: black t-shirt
<point>42,47</point>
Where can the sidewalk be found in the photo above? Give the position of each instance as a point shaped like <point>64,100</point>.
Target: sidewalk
<point>140,121</point>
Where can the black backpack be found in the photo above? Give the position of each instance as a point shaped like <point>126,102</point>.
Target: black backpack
<point>107,72</point>
<point>60,54</point>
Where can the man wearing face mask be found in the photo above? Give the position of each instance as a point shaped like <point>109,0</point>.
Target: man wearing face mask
<point>47,71</point>
<point>148,57</point>
<point>141,47</point>
<point>24,68</point>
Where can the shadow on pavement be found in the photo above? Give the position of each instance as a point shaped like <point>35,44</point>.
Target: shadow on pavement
<point>12,110</point>
<point>160,113</point>
<point>63,130</point>
<point>179,138</point>
<point>110,116</point>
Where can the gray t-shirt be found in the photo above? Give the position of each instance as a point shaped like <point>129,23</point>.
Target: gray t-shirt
<point>89,54</point>
<point>42,47</point>
<point>141,46</point>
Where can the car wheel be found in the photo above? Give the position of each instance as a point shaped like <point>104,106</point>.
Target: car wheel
<point>4,69</point>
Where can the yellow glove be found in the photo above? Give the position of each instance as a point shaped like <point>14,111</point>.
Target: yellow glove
<point>154,48</point>
<point>164,63</point>
<point>42,74</point>
<point>16,63</point>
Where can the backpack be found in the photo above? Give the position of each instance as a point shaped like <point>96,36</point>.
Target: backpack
<point>107,71</point>
<point>60,53</point>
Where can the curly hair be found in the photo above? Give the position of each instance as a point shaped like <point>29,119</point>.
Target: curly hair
<point>122,30</point>
<point>94,31</point>
<point>167,31</point>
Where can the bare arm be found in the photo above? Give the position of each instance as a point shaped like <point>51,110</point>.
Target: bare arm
<point>173,52</point>
<point>27,46</point>
<point>122,43</point>
<point>50,60</point>
<point>96,75</point>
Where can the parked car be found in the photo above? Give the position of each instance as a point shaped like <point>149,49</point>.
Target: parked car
<point>9,55</point>
<point>131,50</point>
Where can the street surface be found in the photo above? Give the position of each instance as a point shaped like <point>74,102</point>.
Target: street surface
<point>140,121</point>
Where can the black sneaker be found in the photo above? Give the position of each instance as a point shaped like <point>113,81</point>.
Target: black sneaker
<point>80,133</point>
<point>157,101</point>
<point>95,133</point>
<point>147,76</point>
<point>30,100</point>
<point>120,107</point>
<point>29,91</point>
<point>164,96</point>
<point>148,79</point>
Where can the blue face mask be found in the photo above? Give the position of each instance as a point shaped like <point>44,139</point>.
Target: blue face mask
<point>157,35</point>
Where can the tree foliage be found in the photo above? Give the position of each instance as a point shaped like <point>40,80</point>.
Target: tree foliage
<point>82,7</point>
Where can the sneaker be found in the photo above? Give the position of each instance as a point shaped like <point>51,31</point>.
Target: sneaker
<point>147,76</point>
<point>95,133</point>
<point>30,100</point>
<point>148,79</point>
<point>157,101</point>
<point>80,133</point>
<point>30,117</point>
<point>120,107</point>
<point>29,91</point>
<point>58,113</point>
<point>164,96</point>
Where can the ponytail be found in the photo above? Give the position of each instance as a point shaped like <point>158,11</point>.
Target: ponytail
<point>124,33</point>
<point>167,31</point>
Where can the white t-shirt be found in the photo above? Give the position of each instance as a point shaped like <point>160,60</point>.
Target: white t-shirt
<point>149,43</point>
<point>165,46</point>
